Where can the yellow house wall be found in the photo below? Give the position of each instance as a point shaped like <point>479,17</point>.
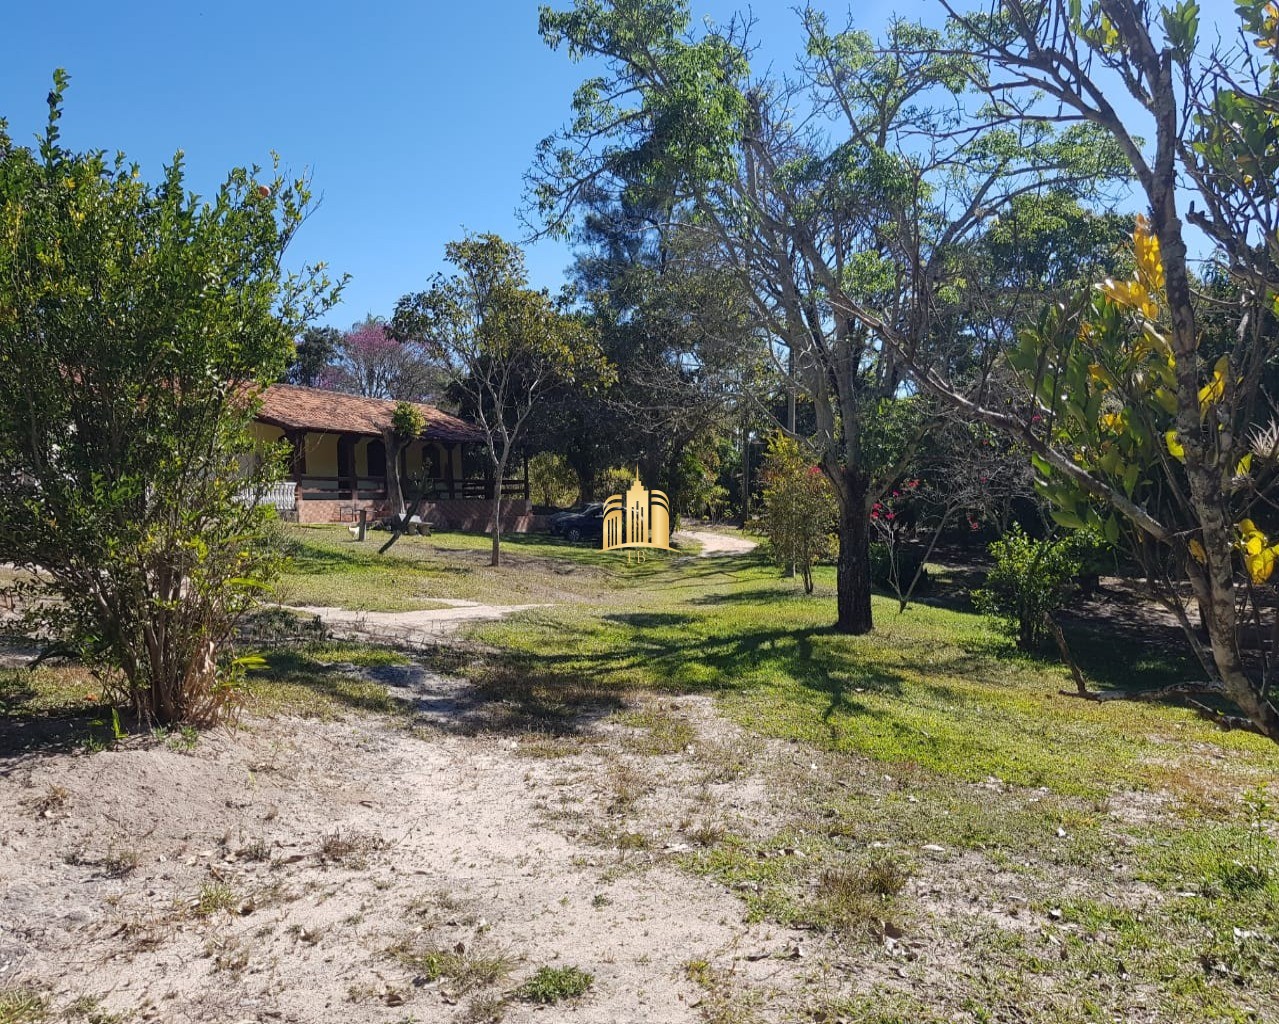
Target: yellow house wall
<point>413,459</point>
<point>322,455</point>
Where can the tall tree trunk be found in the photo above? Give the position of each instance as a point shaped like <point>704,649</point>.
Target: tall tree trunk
<point>394,485</point>
<point>852,574</point>
<point>496,558</point>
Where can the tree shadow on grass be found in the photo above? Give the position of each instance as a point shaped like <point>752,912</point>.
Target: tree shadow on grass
<point>1127,660</point>
<point>664,646</point>
<point>427,691</point>
<point>318,561</point>
<point>760,595</point>
<point>40,715</point>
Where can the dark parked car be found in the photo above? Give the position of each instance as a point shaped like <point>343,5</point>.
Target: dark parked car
<point>585,523</point>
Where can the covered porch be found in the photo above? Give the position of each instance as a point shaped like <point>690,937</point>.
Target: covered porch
<point>338,459</point>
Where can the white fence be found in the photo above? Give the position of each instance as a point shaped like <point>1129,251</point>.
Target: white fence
<point>282,496</point>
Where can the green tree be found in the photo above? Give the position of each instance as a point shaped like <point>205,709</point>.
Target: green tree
<point>800,509</point>
<point>138,323</point>
<point>674,327</point>
<point>504,344</point>
<point>314,356</point>
<point>1134,429</point>
<point>552,480</point>
<point>845,229</point>
<point>407,424</point>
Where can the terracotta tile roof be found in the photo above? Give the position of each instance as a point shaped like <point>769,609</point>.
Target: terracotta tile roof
<point>334,412</point>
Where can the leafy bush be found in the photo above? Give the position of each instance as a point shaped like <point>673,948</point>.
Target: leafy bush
<point>1030,579</point>
<point>616,480</point>
<point>552,480</point>
<point>1095,555</point>
<point>138,323</point>
<point>800,509</point>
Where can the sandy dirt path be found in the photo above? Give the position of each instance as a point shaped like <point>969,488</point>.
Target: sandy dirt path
<point>272,874</point>
<point>426,624</point>
<point>719,543</point>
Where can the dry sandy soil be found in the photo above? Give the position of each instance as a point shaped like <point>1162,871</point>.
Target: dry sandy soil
<point>297,870</point>
<point>714,542</point>
<point>425,624</point>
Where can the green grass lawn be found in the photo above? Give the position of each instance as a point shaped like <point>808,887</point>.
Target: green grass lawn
<point>1141,832</point>
<point>1094,862</point>
<point>327,567</point>
<point>931,689</point>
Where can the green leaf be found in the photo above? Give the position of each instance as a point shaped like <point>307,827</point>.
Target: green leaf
<point>1181,25</point>
<point>1131,475</point>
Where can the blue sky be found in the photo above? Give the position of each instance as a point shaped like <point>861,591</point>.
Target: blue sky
<point>416,120</point>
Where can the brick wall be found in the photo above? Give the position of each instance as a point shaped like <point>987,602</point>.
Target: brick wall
<point>472,515</point>
<point>329,510</point>
<point>469,514</point>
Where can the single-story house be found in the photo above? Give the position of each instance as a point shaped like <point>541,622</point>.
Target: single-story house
<point>338,461</point>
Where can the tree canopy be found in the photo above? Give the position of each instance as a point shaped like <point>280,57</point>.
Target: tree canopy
<point>504,345</point>
<point>138,322</point>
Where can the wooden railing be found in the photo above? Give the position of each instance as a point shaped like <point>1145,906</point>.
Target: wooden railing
<point>322,488</point>
<point>512,487</point>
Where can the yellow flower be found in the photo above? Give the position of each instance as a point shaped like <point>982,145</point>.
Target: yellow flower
<point>1261,565</point>
<point>1112,421</point>
<point>1175,448</point>
<point>1212,392</point>
<point>1258,556</point>
<point>1150,266</point>
<point>1129,294</point>
<point>1143,293</point>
